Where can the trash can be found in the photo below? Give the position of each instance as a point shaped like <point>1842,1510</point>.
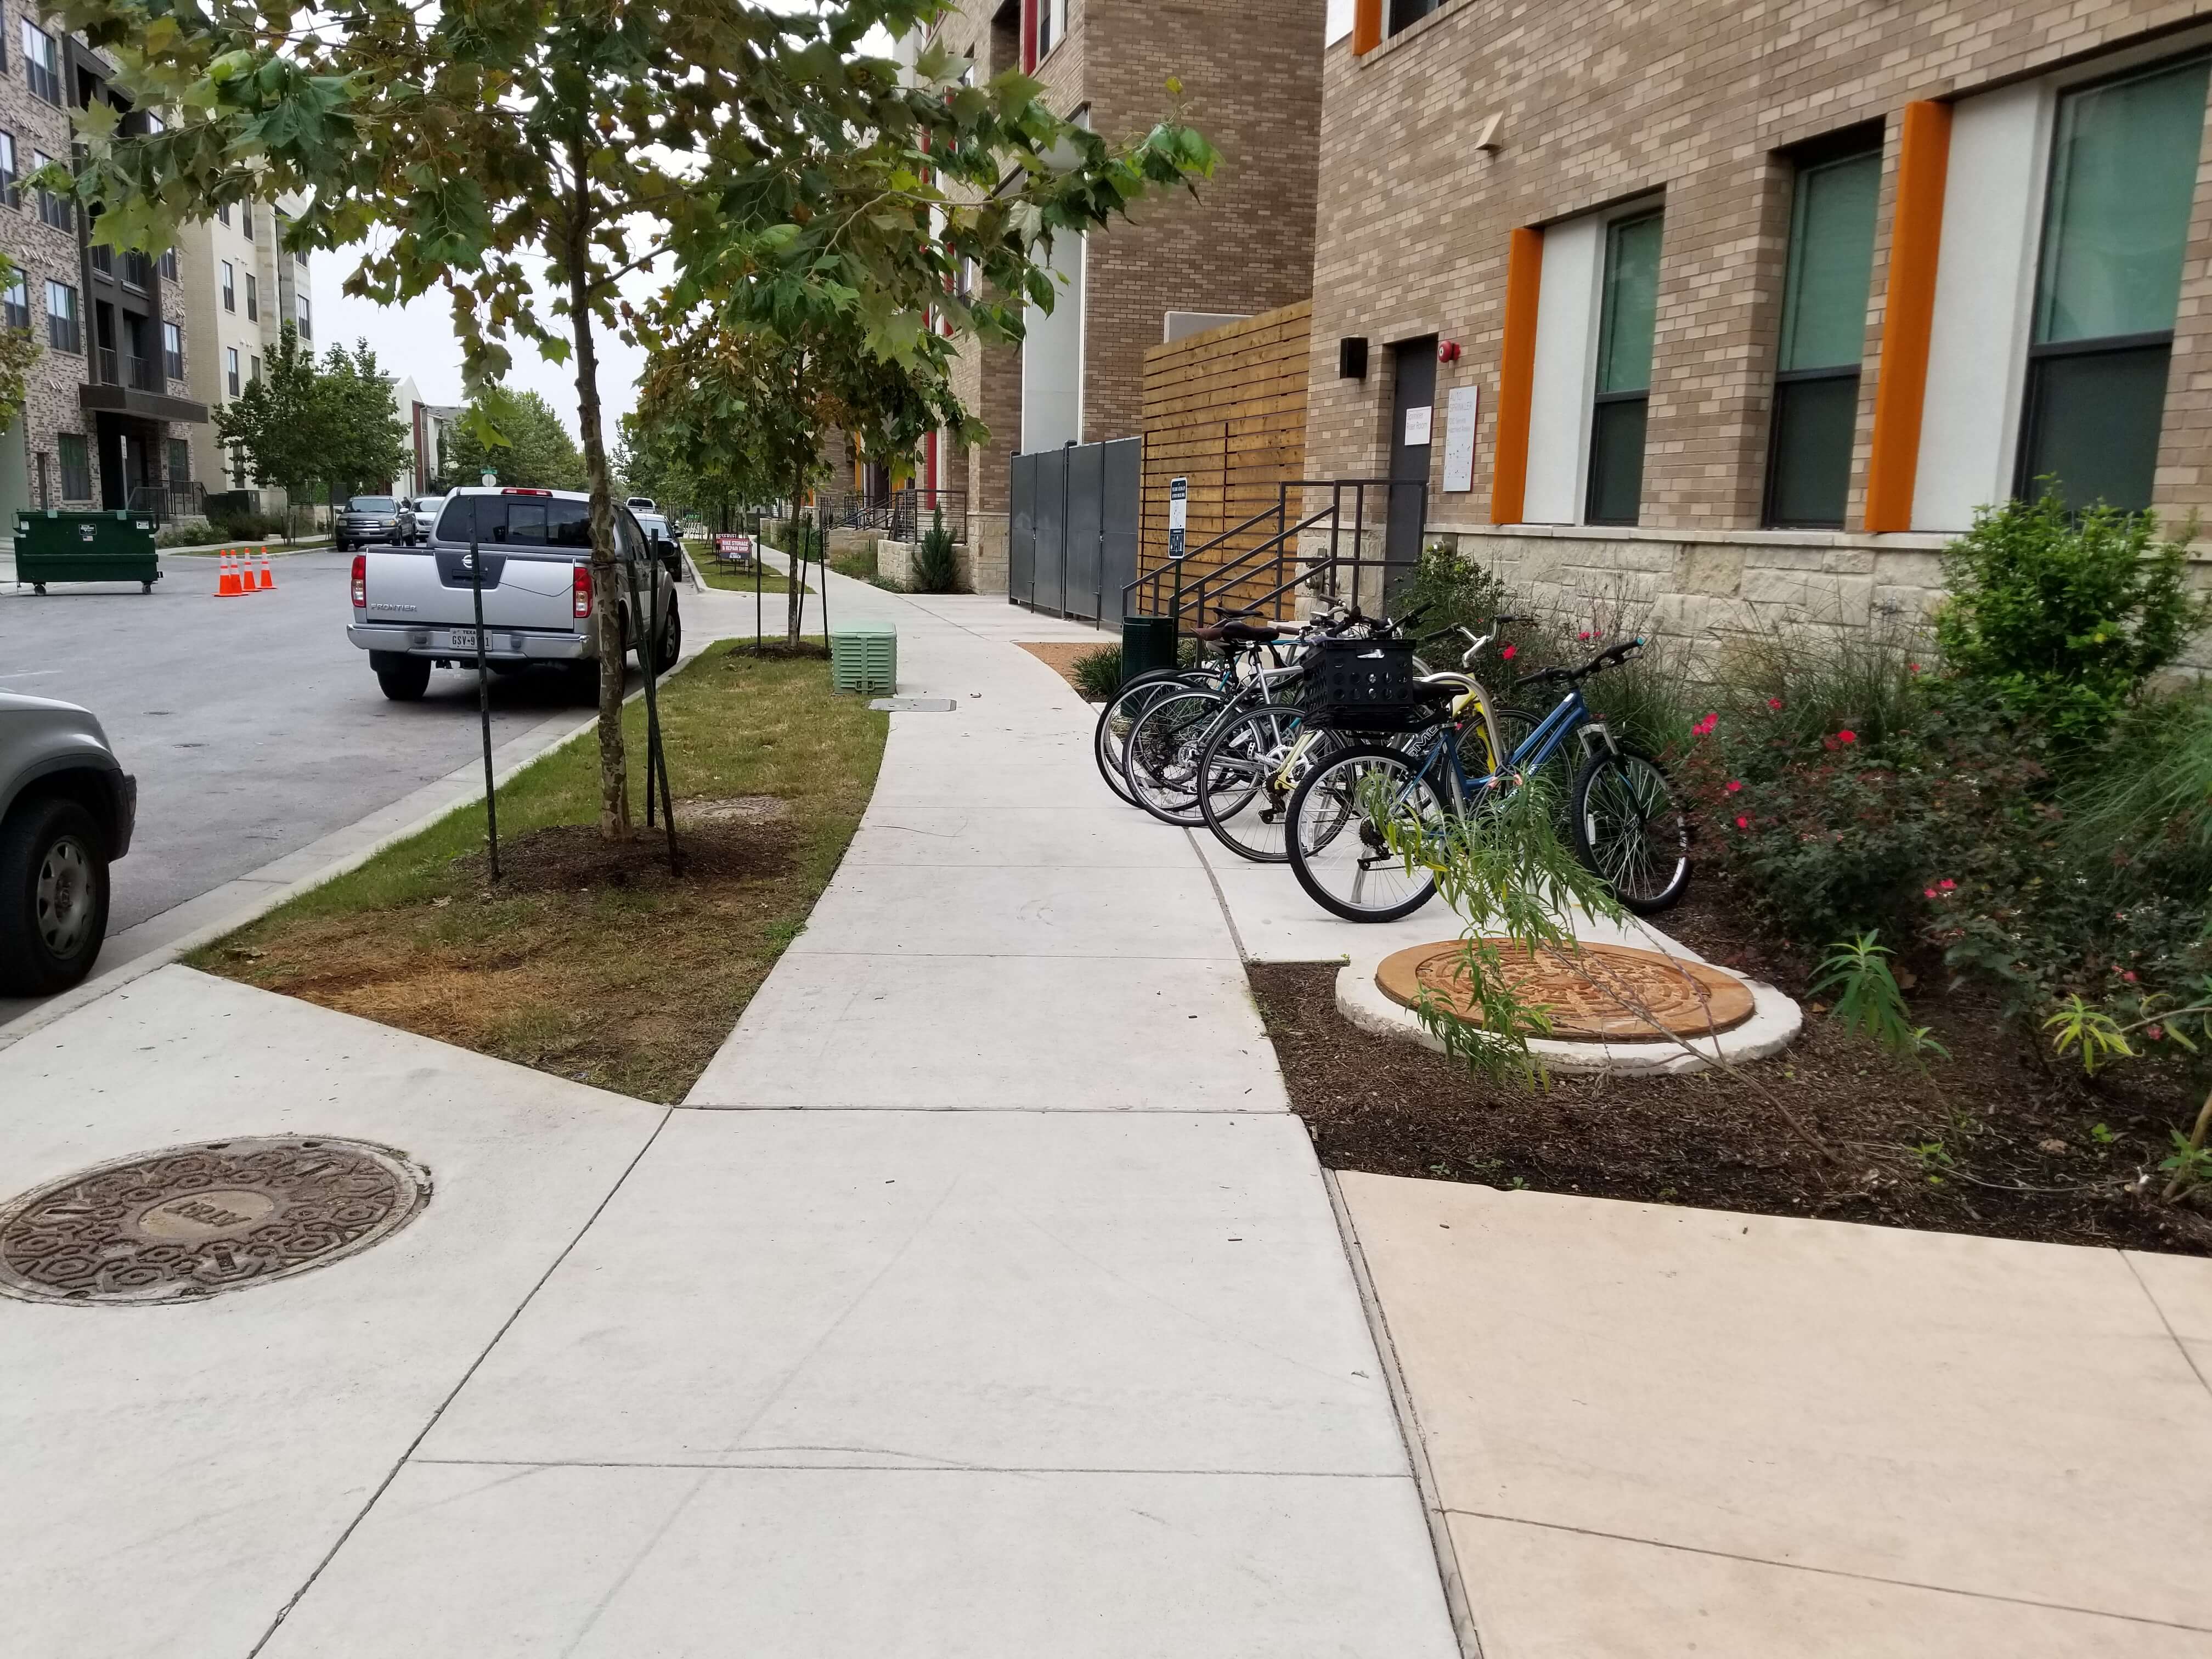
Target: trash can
<point>1147,643</point>
<point>53,546</point>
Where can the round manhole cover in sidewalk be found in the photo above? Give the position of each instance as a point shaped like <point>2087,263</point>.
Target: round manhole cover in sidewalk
<point>185,1223</point>
<point>1611,994</point>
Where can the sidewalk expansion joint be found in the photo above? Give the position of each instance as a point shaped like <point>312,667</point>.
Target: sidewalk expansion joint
<point>711,1465</point>
<point>2190,1357</point>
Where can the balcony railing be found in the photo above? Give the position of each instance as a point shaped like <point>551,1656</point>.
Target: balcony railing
<point>127,368</point>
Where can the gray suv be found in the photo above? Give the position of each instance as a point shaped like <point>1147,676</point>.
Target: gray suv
<point>67,808</point>
<point>365,521</point>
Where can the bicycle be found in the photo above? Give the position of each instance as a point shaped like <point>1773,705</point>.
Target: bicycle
<point>1341,855</point>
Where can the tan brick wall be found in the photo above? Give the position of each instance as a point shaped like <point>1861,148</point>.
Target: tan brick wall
<point>1602,101</point>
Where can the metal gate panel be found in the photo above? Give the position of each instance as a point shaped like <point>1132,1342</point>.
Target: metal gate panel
<point>1021,532</point>
<point>1085,473</point>
<point>1122,484</point>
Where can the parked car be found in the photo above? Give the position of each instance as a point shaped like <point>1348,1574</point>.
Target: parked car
<point>642,504</point>
<point>653,523</point>
<point>366,520</point>
<point>414,608</point>
<point>67,809</point>
<point>416,518</point>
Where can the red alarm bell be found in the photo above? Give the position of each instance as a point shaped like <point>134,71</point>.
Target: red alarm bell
<point>1448,352</point>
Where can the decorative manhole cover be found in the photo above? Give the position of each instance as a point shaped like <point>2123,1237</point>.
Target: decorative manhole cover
<point>177,1225</point>
<point>1601,997</point>
<point>915,705</point>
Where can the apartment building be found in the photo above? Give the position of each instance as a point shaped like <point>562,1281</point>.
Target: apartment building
<point>1745,310</point>
<point>241,286</point>
<point>110,417</point>
<point>1251,82</point>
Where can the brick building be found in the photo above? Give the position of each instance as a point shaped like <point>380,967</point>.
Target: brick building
<point>1251,83</point>
<point>1754,305</point>
<point>108,414</point>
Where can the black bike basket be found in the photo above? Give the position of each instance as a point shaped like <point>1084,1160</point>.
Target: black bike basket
<point>1363,685</point>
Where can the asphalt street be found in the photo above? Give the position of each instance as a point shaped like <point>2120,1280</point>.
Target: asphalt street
<point>253,726</point>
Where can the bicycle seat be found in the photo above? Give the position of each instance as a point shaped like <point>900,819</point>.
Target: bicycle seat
<point>1239,632</point>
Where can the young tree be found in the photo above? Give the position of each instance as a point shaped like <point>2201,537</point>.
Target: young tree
<point>762,156</point>
<point>538,453</point>
<point>19,349</point>
<point>279,422</point>
<point>368,444</point>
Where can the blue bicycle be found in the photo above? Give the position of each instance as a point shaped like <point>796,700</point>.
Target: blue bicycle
<point>1626,824</point>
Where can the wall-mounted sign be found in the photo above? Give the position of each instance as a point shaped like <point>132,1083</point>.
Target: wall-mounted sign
<point>1417,426</point>
<point>1178,514</point>
<point>1460,409</point>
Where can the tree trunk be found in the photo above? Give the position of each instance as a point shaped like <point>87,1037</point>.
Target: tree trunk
<point>606,587</point>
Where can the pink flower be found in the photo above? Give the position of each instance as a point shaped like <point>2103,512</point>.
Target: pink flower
<point>1743,822</point>
<point>1774,702</point>
<point>1734,785</point>
<point>1508,652</point>
<point>1583,635</point>
<point>2155,1033</point>
<point>1847,735</point>
<point>1706,726</point>
<point>1928,892</point>
<point>1914,667</point>
<point>2129,977</point>
<point>1947,883</point>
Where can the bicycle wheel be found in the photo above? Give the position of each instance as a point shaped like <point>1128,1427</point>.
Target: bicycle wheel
<point>1120,713</point>
<point>1335,834</point>
<point>1159,763</point>
<point>1631,830</point>
<point>1244,793</point>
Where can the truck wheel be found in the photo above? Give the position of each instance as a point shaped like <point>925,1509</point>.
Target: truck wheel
<point>53,897</point>
<point>404,678</point>
<point>672,642</point>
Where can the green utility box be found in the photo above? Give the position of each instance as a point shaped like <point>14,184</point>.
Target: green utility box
<point>52,546</point>
<point>864,658</point>
<point>1147,643</point>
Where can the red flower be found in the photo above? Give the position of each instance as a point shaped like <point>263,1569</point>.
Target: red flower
<point>1706,726</point>
<point>1947,883</point>
<point>1914,667</point>
<point>1774,702</point>
<point>2129,977</point>
<point>1847,735</point>
<point>1928,892</point>
<point>1583,635</point>
<point>2155,1033</point>
<point>1743,823</point>
<point>1508,652</point>
<point>1735,784</point>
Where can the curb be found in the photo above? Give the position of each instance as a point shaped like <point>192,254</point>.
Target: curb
<point>458,788</point>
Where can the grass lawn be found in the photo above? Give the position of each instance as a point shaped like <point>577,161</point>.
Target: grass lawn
<point>716,575</point>
<point>592,963</point>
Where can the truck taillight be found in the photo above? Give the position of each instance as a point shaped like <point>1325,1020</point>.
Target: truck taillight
<point>583,590</point>
<point>360,581</point>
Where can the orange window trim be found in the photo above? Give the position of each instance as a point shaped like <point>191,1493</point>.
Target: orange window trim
<point>1908,315</point>
<point>1366,26</point>
<point>1516,376</point>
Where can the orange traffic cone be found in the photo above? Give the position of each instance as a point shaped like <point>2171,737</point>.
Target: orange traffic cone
<point>268,576</point>
<point>227,586</point>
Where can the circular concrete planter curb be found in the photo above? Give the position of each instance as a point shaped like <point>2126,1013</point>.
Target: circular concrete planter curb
<point>1774,1023</point>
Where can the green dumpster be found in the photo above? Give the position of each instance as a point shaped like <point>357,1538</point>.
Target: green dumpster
<point>1147,643</point>
<point>52,546</point>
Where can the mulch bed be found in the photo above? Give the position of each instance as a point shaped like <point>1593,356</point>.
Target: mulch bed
<point>716,841</point>
<point>1059,655</point>
<point>1991,1141</point>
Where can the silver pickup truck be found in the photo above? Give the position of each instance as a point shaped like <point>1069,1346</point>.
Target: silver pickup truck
<point>414,608</point>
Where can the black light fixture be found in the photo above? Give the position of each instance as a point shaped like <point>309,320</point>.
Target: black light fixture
<point>1351,357</point>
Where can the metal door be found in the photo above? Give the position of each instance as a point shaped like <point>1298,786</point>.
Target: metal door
<point>1122,468</point>
<point>1085,475</point>
<point>1021,532</point>
<point>1413,399</point>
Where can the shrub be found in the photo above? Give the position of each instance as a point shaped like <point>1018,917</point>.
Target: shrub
<point>2063,615</point>
<point>936,567</point>
<point>1455,592</point>
<point>191,533</point>
<point>1098,673</point>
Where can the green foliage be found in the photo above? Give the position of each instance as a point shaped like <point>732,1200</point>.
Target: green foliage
<point>2062,615</point>
<point>1453,592</point>
<point>304,423</point>
<point>936,570</point>
<point>1098,673</point>
<point>19,349</point>
<point>1868,999</point>
<point>533,451</point>
<point>2147,805</point>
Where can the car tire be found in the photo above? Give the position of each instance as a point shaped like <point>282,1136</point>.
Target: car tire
<point>404,678</point>
<point>672,642</point>
<point>53,896</point>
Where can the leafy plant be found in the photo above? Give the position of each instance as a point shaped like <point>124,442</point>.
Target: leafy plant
<point>2101,1037</point>
<point>1868,999</point>
<point>1098,673</point>
<point>2063,615</point>
<point>936,566</point>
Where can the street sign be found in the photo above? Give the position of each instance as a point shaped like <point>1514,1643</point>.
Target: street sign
<point>1178,514</point>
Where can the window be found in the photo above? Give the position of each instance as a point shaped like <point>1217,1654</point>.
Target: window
<point>300,315</point>
<point>1051,25</point>
<point>301,256</point>
<point>2123,178</point>
<point>102,258</point>
<point>138,270</point>
<point>230,369</point>
<point>15,303</point>
<point>173,351</point>
<point>223,213</point>
<point>253,369</point>
<point>517,521</point>
<point>52,210</point>
<point>230,286</point>
<point>245,219</point>
<point>169,264</point>
<point>252,299</point>
<point>180,461</point>
<point>9,193</point>
<point>41,64</point>
<point>1404,14</point>
<point>63,333</point>
<point>1630,313</point>
<point>1824,310</point>
<point>76,466</point>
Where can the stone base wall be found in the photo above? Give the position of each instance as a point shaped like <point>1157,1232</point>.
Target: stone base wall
<point>894,562</point>
<point>983,555</point>
<point>845,539</point>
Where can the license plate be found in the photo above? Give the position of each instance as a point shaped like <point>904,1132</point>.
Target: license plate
<point>464,638</point>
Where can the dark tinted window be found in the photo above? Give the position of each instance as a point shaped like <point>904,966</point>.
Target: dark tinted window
<point>516,521</point>
<point>372,504</point>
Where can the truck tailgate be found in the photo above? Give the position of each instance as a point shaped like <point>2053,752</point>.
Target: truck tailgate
<point>427,585</point>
